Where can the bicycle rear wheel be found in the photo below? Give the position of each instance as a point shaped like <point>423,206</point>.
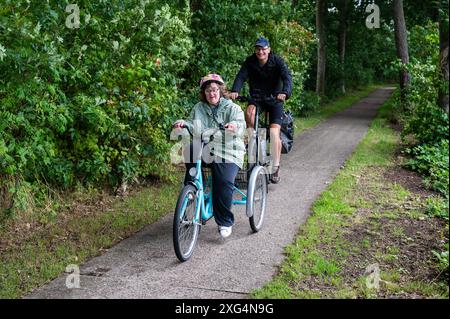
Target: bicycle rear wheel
<point>257,197</point>
<point>185,230</point>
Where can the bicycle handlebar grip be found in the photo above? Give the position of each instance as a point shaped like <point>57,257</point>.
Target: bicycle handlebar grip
<point>181,126</point>
<point>267,98</point>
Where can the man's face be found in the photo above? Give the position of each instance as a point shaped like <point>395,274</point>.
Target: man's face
<point>262,54</point>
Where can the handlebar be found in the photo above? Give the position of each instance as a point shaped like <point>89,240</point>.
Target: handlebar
<point>207,133</point>
<point>268,98</point>
<point>187,128</point>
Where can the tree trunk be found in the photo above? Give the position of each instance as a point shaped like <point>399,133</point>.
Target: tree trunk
<point>321,57</point>
<point>343,10</point>
<point>443,61</point>
<point>401,43</point>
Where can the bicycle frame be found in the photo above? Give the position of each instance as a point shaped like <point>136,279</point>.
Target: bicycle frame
<point>257,127</point>
<point>204,209</point>
<point>190,216</point>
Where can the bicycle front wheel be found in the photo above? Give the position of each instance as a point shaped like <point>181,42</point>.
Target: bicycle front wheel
<point>256,197</point>
<point>185,228</point>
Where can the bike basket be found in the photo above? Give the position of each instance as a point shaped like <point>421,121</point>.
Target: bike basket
<point>241,180</point>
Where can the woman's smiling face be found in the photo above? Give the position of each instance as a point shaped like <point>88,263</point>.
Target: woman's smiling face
<point>212,93</point>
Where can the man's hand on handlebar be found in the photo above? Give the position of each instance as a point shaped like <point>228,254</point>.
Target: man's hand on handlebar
<point>234,95</point>
<point>281,97</point>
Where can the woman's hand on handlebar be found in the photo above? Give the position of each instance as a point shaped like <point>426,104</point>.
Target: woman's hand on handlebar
<point>178,124</point>
<point>231,127</point>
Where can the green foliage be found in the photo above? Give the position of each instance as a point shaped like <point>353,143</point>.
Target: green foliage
<point>442,258</point>
<point>423,119</point>
<point>432,160</point>
<point>438,207</point>
<point>94,103</point>
<point>368,52</point>
<point>426,122</point>
<point>226,33</point>
<point>293,43</point>
<point>310,103</point>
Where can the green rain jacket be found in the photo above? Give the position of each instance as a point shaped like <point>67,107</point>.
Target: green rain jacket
<point>225,145</point>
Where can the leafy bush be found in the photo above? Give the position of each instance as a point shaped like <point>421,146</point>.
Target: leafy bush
<point>432,160</point>
<point>442,258</point>
<point>310,102</point>
<point>438,207</point>
<point>423,119</point>
<point>91,104</point>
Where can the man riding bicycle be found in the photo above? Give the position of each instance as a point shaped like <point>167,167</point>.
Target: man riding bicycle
<point>268,75</point>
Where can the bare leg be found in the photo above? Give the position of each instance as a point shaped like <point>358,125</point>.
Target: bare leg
<point>275,141</point>
<point>250,116</point>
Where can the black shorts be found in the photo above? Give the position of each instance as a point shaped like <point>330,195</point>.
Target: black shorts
<point>274,109</point>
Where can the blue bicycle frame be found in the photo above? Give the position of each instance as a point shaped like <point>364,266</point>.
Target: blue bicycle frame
<point>204,210</point>
<point>190,215</point>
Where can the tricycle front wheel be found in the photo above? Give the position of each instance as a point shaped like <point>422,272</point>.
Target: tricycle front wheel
<point>185,228</point>
<point>257,197</point>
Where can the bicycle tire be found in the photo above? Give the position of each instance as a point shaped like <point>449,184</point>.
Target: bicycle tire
<point>185,231</point>
<point>257,198</point>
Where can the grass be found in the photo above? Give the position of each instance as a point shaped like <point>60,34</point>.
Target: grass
<point>74,239</point>
<point>360,221</point>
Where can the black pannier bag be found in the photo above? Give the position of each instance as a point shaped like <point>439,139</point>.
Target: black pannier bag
<point>287,132</point>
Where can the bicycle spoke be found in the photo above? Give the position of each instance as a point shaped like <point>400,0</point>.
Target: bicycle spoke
<point>258,199</point>
<point>185,227</point>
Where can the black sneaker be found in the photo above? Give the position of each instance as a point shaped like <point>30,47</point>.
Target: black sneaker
<point>275,177</point>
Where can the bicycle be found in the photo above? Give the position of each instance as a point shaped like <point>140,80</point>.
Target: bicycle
<point>259,139</point>
<point>194,205</point>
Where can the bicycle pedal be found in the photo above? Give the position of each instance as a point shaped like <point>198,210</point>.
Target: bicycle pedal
<point>203,221</point>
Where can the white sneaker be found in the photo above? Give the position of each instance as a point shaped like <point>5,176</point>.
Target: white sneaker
<point>225,231</point>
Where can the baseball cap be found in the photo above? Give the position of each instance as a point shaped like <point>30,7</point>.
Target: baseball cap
<point>262,42</point>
